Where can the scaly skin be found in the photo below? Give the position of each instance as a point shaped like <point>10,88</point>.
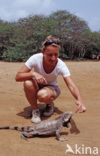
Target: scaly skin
<point>47,127</point>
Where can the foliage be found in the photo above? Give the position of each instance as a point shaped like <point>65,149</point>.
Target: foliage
<point>19,40</point>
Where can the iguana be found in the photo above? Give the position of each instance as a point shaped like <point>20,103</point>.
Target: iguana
<point>46,127</point>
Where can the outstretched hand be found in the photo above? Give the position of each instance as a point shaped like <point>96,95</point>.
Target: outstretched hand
<point>81,108</point>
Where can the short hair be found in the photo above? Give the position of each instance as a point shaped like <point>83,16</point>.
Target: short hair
<point>51,40</point>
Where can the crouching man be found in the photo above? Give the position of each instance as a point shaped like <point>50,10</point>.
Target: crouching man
<point>41,83</point>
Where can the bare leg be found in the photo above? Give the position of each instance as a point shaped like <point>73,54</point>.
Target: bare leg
<point>31,88</point>
<point>46,95</point>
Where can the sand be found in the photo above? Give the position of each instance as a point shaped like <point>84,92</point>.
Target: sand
<point>85,127</point>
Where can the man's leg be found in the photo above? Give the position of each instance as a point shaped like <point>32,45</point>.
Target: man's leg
<point>31,88</point>
<point>47,96</point>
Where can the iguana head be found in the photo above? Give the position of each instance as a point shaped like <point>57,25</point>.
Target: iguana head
<point>66,117</point>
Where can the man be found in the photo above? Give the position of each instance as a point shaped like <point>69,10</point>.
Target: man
<point>47,66</point>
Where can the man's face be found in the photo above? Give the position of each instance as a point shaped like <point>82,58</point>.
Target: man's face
<point>50,55</point>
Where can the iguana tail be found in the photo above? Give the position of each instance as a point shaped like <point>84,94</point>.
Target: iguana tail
<point>16,128</point>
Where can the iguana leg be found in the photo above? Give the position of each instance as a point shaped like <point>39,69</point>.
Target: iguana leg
<point>26,135</point>
<point>58,135</point>
<point>23,137</point>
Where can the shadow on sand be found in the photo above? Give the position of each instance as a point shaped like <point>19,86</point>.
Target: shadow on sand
<point>27,111</point>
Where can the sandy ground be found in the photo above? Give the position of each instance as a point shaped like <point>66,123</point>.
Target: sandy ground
<point>14,110</point>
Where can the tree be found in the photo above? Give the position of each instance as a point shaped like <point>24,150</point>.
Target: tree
<point>19,40</point>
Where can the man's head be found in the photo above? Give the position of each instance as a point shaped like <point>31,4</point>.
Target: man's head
<point>50,50</point>
<point>50,41</point>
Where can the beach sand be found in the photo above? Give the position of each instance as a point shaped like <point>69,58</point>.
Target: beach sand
<point>15,111</point>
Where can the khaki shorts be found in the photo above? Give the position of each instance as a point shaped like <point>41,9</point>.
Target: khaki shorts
<point>56,90</point>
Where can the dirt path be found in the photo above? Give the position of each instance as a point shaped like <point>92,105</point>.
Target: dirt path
<point>85,130</point>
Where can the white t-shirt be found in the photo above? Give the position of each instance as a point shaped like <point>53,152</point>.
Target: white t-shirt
<point>35,62</point>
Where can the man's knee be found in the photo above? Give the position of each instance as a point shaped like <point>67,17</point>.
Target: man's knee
<point>43,95</point>
<point>28,84</point>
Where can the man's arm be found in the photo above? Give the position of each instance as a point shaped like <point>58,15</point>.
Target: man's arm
<point>75,92</point>
<point>26,74</point>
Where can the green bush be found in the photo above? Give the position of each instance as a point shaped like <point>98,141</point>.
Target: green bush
<point>13,55</point>
<point>19,40</point>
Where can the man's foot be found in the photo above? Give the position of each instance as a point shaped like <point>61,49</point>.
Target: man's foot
<point>49,110</point>
<point>36,116</point>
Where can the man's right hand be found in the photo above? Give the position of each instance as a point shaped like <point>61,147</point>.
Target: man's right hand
<point>40,79</point>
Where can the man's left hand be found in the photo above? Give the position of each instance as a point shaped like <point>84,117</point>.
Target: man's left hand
<point>81,108</point>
